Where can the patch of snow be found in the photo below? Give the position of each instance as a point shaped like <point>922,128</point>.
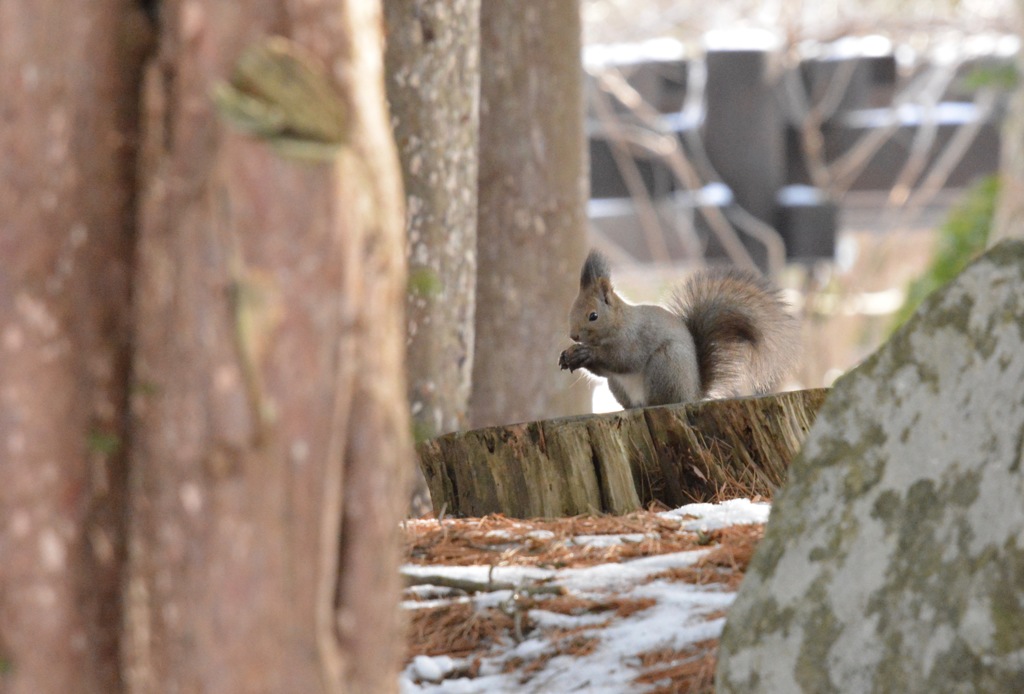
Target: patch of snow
<point>680,615</point>
<point>432,669</point>
<point>506,535</point>
<point>556,620</point>
<point>707,517</point>
<point>609,540</point>
<point>615,576</point>
<point>427,604</point>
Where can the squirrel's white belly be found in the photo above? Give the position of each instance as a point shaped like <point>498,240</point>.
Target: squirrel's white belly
<point>633,384</point>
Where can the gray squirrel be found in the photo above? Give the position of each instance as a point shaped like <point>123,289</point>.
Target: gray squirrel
<point>725,333</point>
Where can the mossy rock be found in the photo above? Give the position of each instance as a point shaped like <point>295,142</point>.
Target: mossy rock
<point>894,557</point>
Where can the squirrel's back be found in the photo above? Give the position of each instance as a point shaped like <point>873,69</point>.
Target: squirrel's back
<point>745,339</point>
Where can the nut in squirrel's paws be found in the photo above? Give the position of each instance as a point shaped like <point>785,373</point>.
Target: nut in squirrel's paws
<point>574,357</point>
<point>563,361</point>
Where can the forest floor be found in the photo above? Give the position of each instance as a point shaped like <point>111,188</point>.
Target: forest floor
<point>614,604</point>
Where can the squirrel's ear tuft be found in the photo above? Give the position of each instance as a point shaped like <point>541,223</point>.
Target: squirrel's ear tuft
<point>594,268</point>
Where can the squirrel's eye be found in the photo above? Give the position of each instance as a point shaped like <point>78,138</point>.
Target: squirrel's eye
<point>593,315</point>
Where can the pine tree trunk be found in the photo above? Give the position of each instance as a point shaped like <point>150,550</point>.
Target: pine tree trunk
<point>532,220</point>
<point>270,429</point>
<point>433,70</point>
<point>618,462</point>
<point>67,136</point>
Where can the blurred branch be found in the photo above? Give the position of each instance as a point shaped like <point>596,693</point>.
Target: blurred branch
<point>668,148</point>
<point>925,135</point>
<point>811,119</point>
<point>649,222</point>
<point>849,166</point>
<point>488,586</point>
<point>952,155</point>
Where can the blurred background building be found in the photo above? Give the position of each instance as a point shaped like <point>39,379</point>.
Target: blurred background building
<point>828,144</point>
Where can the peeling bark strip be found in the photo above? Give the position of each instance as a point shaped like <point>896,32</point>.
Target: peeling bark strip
<point>271,437</point>
<point>618,462</point>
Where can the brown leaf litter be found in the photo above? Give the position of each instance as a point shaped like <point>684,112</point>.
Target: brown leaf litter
<point>460,629</point>
<point>457,629</point>
<point>726,563</point>
<point>690,670</point>
<point>548,543</point>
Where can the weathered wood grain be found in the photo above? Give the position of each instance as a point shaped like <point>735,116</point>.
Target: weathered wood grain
<point>618,462</point>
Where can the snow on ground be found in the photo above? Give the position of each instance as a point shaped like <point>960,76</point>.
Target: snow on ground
<point>705,517</point>
<point>634,625</point>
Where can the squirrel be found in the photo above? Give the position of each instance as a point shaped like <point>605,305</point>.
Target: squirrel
<point>725,333</point>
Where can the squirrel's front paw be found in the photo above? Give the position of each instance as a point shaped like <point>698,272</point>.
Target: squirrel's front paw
<point>574,357</point>
<point>563,359</point>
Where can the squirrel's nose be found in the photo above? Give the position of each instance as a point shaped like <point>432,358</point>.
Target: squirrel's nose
<point>575,337</point>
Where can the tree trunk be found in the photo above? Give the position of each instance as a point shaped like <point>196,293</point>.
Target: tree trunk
<point>532,220</point>
<point>433,69</point>
<point>618,462</point>
<point>1009,215</point>
<point>268,406</point>
<point>67,135</point>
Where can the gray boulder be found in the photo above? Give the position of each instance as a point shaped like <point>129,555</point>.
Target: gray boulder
<point>894,557</point>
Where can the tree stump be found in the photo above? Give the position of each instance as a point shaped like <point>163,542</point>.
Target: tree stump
<point>622,461</point>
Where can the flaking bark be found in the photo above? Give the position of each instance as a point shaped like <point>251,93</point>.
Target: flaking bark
<point>433,83</point>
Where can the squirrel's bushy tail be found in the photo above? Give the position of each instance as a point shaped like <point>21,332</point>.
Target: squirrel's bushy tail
<point>745,339</point>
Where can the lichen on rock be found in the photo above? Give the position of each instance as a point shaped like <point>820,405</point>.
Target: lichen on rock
<point>894,557</point>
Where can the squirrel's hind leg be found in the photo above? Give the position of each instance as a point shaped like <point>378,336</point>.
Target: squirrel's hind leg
<point>666,381</point>
<point>621,394</point>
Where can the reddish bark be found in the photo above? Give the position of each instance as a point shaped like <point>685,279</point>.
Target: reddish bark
<point>269,440</point>
<point>259,438</point>
<point>66,133</point>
